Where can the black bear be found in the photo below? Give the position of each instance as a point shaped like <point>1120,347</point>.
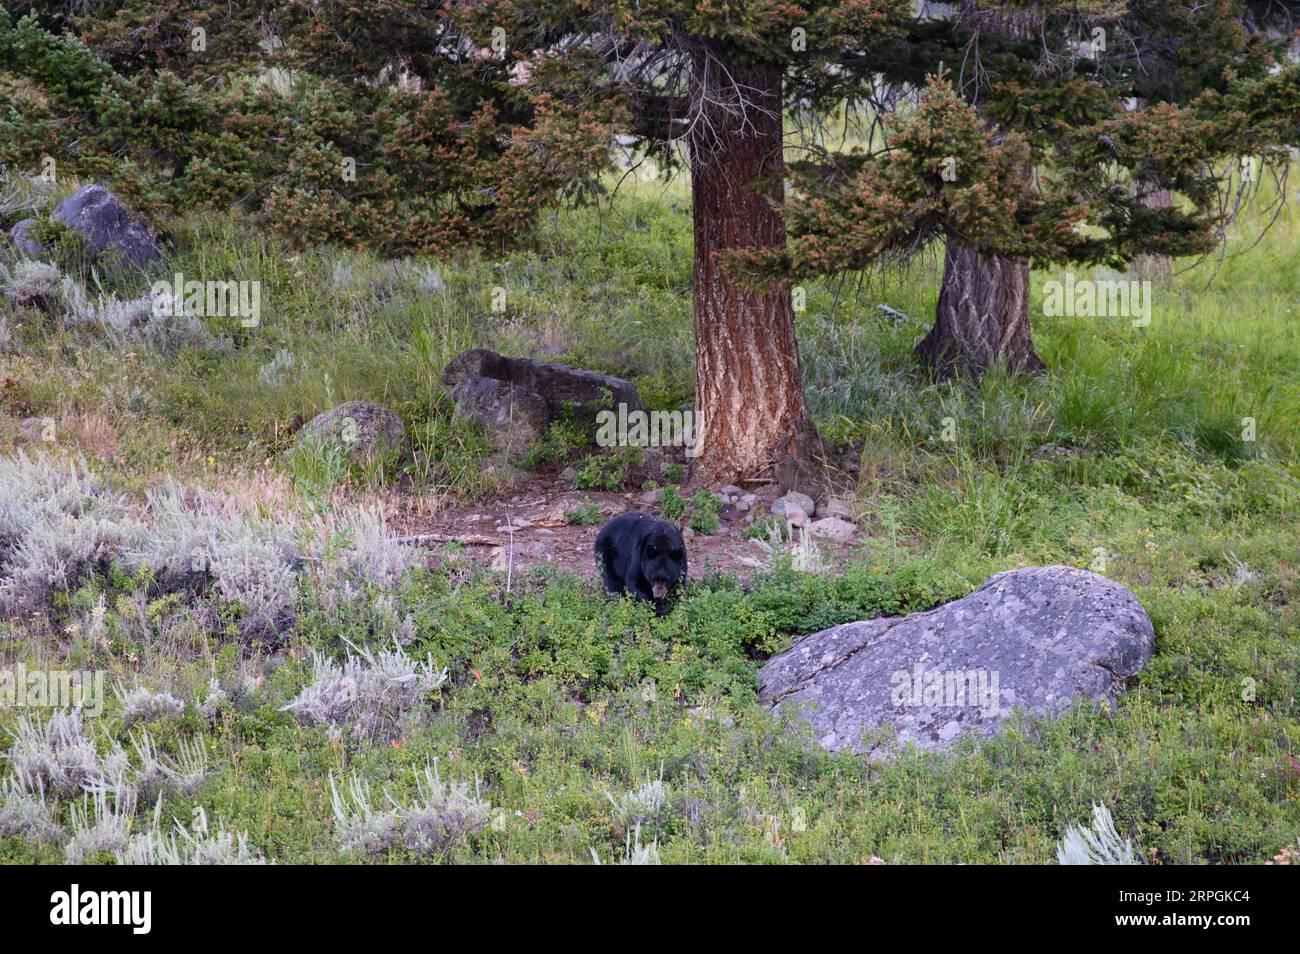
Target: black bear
<point>641,556</point>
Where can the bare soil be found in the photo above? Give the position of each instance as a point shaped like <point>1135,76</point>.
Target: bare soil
<point>525,526</point>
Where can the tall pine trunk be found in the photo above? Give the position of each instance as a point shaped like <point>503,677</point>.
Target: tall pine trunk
<point>982,318</point>
<point>1156,267</point>
<point>749,400</point>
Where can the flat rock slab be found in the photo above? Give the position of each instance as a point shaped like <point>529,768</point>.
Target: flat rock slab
<point>581,391</point>
<point>515,399</point>
<point>1037,640</point>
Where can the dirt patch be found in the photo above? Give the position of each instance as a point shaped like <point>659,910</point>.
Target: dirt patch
<point>526,526</point>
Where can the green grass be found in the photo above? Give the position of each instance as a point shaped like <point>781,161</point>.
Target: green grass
<point>549,708</point>
<point>558,695</point>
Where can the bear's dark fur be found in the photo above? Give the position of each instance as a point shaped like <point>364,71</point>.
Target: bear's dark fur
<point>642,556</point>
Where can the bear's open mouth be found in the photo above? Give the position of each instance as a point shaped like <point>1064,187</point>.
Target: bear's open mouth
<point>659,588</point>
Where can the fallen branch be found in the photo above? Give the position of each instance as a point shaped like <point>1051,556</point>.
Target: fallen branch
<point>470,540</point>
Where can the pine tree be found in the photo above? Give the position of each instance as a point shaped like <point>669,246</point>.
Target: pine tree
<point>1051,138</point>
<point>385,128</point>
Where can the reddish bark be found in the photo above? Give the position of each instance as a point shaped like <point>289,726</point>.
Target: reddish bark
<point>750,408</point>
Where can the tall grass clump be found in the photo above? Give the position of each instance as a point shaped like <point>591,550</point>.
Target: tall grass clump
<point>368,694</point>
<point>185,847</point>
<point>1098,845</point>
<point>441,817</point>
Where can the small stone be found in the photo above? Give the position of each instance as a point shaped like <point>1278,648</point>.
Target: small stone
<point>832,528</point>
<point>688,533</point>
<point>834,507</point>
<point>797,518</point>
<point>1054,451</point>
<point>731,490</point>
<point>650,497</point>
<point>568,473</point>
<point>20,237</point>
<point>705,714</point>
<point>794,501</point>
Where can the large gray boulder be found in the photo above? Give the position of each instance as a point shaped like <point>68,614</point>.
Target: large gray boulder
<point>358,429</point>
<point>1038,640</point>
<point>108,226</point>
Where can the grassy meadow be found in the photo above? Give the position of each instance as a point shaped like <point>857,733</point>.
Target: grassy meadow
<point>569,725</point>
